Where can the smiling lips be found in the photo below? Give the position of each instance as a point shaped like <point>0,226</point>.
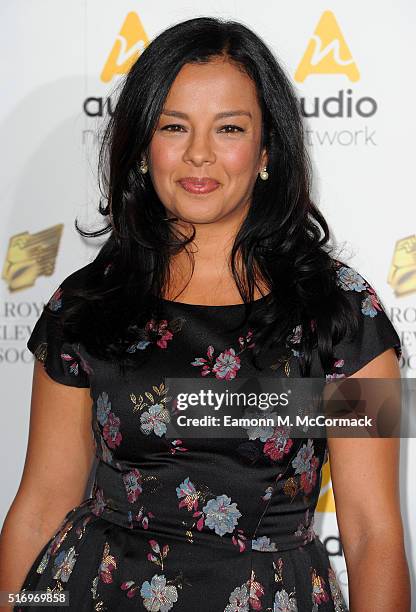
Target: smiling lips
<point>198,185</point>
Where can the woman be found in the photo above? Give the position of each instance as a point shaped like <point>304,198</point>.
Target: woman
<point>208,201</point>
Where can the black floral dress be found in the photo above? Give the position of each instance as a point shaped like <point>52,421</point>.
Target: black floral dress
<point>210,525</point>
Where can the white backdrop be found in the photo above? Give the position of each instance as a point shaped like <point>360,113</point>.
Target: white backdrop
<point>59,63</point>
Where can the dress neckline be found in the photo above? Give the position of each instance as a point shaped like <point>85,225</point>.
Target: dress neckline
<point>215,306</point>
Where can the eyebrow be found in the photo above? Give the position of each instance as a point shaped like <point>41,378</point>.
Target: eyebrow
<point>232,113</point>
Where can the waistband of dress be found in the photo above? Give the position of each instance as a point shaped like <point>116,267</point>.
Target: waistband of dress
<point>116,498</point>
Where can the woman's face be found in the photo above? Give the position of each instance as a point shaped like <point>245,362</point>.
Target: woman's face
<point>193,140</point>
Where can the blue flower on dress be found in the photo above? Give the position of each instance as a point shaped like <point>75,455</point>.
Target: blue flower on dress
<point>157,596</point>
<point>239,600</point>
<point>227,365</point>
<point>302,461</point>
<point>367,306</point>
<point>283,602</point>
<point>258,431</point>
<point>221,515</point>
<point>350,280</point>
<point>64,564</point>
<point>103,408</point>
<point>133,483</point>
<point>155,420</point>
<point>185,488</point>
<point>141,345</point>
<point>263,544</point>
<point>188,495</point>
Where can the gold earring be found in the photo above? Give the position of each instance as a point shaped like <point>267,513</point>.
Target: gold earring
<point>143,167</point>
<point>264,175</point>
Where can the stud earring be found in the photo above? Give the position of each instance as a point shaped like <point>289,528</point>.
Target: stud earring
<point>143,167</point>
<point>264,175</point>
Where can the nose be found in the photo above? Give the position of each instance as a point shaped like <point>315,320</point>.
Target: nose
<point>199,149</point>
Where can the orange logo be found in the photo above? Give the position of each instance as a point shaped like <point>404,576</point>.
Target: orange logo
<point>127,47</point>
<point>327,52</point>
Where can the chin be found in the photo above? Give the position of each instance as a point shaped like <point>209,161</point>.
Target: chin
<point>191,215</point>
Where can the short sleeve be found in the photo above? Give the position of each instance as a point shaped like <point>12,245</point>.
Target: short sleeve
<point>375,333</point>
<point>63,361</point>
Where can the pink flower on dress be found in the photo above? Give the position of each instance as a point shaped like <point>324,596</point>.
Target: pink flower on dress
<point>227,365</point>
<point>278,444</point>
<point>306,464</point>
<point>338,363</point>
<point>319,594</point>
<point>161,328</point>
<point>308,478</point>
<point>228,362</point>
<point>98,502</point>
<point>55,302</point>
<point>111,431</point>
<point>108,564</point>
<point>188,495</point>
<point>132,481</point>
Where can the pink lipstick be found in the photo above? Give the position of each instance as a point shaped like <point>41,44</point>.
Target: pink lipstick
<point>198,185</point>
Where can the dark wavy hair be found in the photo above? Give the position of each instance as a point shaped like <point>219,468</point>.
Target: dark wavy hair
<point>284,238</point>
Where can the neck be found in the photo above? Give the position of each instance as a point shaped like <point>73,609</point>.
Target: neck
<point>210,253</point>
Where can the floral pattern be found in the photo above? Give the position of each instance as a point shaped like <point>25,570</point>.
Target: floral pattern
<point>246,597</point>
<point>109,421</point>
<point>105,575</point>
<point>187,501</point>
<point>351,280</point>
<point>319,592</point>
<point>133,482</point>
<point>158,333</point>
<point>77,362</point>
<point>55,302</point>
<point>285,602</point>
<point>306,464</point>
<point>263,543</point>
<point>226,365</point>
<point>337,596</point>
<point>219,514</point>
<point>64,564</point>
<point>158,593</point>
<point>155,416</point>
<point>279,444</point>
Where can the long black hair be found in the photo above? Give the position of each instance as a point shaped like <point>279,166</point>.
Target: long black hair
<point>284,237</point>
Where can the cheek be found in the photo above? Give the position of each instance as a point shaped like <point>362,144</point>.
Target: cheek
<point>163,158</point>
<point>239,159</point>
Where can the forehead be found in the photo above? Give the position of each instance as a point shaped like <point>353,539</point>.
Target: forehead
<point>212,87</point>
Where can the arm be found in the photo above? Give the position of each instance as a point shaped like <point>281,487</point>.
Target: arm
<point>365,482</point>
<point>58,463</point>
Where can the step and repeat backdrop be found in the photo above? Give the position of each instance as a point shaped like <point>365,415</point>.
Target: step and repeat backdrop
<point>61,62</point>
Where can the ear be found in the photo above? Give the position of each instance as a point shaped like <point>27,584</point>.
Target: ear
<point>264,159</point>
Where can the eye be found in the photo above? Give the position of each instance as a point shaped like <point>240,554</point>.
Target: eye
<point>173,125</point>
<point>229,129</point>
<point>233,127</point>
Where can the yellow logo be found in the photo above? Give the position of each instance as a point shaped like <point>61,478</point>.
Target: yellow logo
<point>129,43</point>
<point>326,501</point>
<point>402,275</point>
<point>31,255</point>
<point>327,52</point>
